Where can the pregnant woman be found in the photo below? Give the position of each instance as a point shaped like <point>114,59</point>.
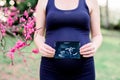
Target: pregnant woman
<point>72,21</point>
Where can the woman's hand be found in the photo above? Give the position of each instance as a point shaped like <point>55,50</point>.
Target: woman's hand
<point>88,50</point>
<point>46,50</point>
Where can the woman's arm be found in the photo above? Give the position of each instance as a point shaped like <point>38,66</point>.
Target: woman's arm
<point>89,49</point>
<point>39,38</point>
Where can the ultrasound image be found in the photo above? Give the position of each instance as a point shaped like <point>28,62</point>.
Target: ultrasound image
<point>67,49</point>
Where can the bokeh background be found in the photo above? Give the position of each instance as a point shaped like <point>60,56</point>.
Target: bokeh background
<point>26,66</point>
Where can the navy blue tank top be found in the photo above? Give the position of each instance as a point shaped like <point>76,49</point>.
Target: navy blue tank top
<point>67,25</point>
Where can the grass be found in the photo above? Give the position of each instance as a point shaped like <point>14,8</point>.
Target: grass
<point>106,61</point>
<point>108,57</point>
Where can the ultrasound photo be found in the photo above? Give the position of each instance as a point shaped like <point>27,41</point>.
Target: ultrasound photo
<point>67,49</point>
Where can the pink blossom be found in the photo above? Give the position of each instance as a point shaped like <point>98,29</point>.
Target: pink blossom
<point>28,37</point>
<point>13,50</point>
<point>16,18</point>
<point>26,14</point>
<point>29,19</point>
<point>29,25</point>
<point>35,51</point>
<point>17,29</point>
<point>20,44</point>
<point>18,12</point>
<point>24,60</point>
<point>31,10</point>
<point>12,13</point>
<point>6,10</point>
<point>10,21</point>
<point>13,8</point>
<point>26,25</point>
<point>3,32</point>
<point>33,19</point>
<point>29,29</point>
<point>2,29</point>
<point>22,19</point>
<point>10,55</point>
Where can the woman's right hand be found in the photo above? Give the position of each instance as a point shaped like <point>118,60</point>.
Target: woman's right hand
<point>46,50</point>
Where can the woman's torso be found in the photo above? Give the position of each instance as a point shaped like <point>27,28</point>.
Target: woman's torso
<point>67,25</point>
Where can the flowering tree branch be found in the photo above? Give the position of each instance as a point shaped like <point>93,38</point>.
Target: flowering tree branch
<point>20,26</point>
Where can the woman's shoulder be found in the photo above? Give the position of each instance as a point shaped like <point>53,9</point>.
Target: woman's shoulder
<point>42,4</point>
<point>91,4</point>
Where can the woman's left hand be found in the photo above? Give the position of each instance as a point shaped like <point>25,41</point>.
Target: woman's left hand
<point>88,50</point>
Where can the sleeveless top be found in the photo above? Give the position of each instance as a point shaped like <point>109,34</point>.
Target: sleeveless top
<point>67,25</point>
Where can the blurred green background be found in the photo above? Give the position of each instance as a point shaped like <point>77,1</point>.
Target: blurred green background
<point>106,59</point>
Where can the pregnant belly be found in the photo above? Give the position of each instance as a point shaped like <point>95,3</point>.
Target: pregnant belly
<point>52,37</point>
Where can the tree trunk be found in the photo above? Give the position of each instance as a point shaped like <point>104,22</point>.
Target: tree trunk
<point>0,36</point>
<point>107,14</point>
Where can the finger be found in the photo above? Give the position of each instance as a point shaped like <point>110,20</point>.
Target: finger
<point>46,54</point>
<point>90,48</point>
<point>47,50</point>
<point>90,55</point>
<point>49,47</point>
<point>86,45</point>
<point>87,52</point>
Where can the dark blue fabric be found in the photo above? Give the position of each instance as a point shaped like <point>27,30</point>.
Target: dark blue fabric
<point>67,25</point>
<point>67,69</point>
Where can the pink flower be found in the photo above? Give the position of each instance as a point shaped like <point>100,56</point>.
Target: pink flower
<point>13,8</point>
<point>10,55</point>
<point>3,32</point>
<point>2,29</point>
<point>13,50</point>
<point>26,14</point>
<point>24,60</point>
<point>17,23</point>
<point>17,46</point>
<point>6,10</point>
<point>20,44</point>
<point>10,21</point>
<point>12,13</point>
<point>28,37</point>
<point>22,19</point>
<point>16,18</point>
<point>31,10</point>
<point>35,51</point>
